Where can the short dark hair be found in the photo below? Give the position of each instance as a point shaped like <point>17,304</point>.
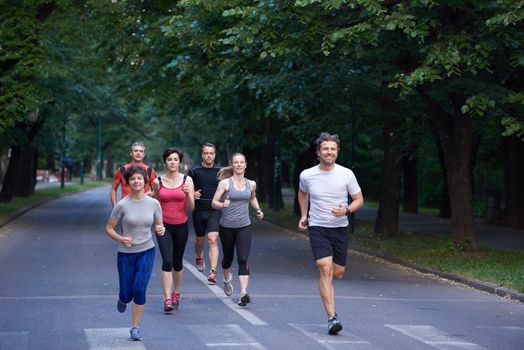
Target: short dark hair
<point>170,150</point>
<point>325,136</point>
<point>208,144</point>
<point>135,169</point>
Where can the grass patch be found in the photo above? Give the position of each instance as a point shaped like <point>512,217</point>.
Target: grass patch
<point>498,266</point>
<point>18,203</point>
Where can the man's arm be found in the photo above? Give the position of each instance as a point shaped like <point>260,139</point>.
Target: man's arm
<point>303,203</point>
<point>357,203</point>
<point>112,194</point>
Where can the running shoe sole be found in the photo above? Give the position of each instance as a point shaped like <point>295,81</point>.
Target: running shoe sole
<point>333,330</point>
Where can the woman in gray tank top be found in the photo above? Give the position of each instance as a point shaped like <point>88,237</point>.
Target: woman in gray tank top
<point>233,196</point>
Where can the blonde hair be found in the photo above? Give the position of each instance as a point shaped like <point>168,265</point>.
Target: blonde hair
<point>227,171</point>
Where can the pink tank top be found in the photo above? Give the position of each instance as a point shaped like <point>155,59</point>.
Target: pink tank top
<point>173,203</point>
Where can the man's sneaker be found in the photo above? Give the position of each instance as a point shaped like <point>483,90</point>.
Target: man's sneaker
<point>334,325</point>
<point>200,264</point>
<point>168,305</point>
<point>244,299</point>
<point>175,299</point>
<point>135,334</point>
<point>121,306</point>
<point>212,279</point>
<point>228,287</point>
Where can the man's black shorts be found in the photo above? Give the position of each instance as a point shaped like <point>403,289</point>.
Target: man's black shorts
<point>329,241</point>
<point>206,221</point>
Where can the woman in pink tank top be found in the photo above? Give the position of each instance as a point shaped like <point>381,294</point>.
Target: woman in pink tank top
<point>175,192</point>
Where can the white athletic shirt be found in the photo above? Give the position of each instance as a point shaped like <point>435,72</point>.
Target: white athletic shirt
<point>328,189</point>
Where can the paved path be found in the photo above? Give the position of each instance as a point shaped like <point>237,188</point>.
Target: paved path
<point>58,290</point>
<point>487,235</point>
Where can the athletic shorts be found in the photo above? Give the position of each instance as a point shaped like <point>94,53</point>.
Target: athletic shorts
<point>206,221</point>
<point>329,241</point>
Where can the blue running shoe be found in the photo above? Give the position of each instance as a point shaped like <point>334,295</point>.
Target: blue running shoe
<point>121,306</point>
<point>135,334</point>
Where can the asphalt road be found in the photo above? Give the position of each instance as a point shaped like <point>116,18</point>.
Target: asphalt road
<point>59,286</point>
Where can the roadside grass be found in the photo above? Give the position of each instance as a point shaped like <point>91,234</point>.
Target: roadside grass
<point>501,267</point>
<point>19,203</point>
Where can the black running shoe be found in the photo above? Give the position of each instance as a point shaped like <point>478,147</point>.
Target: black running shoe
<point>121,306</point>
<point>244,299</point>
<point>334,325</point>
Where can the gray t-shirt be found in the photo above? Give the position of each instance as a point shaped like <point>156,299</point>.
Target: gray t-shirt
<point>327,190</point>
<point>138,218</point>
<point>237,213</point>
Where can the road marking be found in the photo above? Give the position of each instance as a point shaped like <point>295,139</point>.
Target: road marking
<point>318,333</point>
<point>201,277</point>
<point>111,339</point>
<point>228,335</point>
<point>511,328</point>
<point>14,340</point>
<point>433,337</point>
<point>228,301</point>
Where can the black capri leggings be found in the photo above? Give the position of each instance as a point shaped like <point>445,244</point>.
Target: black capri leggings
<point>239,238</point>
<point>172,245</point>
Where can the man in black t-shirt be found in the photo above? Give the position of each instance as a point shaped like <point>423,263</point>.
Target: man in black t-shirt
<point>205,218</point>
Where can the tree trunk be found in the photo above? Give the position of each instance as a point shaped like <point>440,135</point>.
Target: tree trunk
<point>108,151</point>
<point>410,183</point>
<point>20,178</point>
<point>445,205</point>
<point>388,210</point>
<point>514,185</point>
<point>305,160</point>
<point>455,133</point>
<point>11,175</point>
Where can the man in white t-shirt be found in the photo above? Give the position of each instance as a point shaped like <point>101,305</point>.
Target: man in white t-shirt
<point>327,187</point>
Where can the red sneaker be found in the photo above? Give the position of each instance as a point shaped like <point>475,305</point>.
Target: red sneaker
<point>175,297</point>
<point>168,305</point>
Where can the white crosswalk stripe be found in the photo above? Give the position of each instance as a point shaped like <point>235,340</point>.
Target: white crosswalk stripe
<point>318,333</point>
<point>111,339</point>
<point>14,340</point>
<point>228,336</point>
<point>434,337</point>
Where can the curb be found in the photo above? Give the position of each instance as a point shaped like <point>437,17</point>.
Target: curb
<point>476,284</point>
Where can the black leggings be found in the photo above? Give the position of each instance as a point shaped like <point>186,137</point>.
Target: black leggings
<point>172,245</point>
<point>241,238</point>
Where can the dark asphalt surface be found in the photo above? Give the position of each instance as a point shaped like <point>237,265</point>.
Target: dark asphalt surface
<point>58,290</point>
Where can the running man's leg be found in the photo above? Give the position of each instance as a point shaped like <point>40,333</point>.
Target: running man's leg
<point>199,224</point>
<point>212,240</point>
<point>327,292</point>
<point>212,227</point>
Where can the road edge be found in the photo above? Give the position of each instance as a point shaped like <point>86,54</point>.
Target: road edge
<point>473,283</point>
